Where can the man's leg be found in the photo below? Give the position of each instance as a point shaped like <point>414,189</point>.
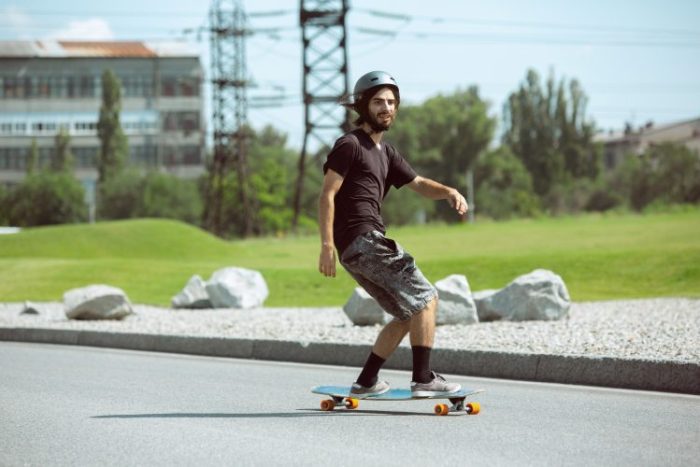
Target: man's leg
<point>422,339</point>
<point>425,381</point>
<point>422,329</point>
<point>389,338</point>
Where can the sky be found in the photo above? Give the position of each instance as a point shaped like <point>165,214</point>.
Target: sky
<point>637,61</point>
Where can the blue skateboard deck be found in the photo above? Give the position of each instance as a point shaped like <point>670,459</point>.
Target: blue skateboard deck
<point>340,396</point>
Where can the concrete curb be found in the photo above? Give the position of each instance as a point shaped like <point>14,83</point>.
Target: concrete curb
<point>648,375</point>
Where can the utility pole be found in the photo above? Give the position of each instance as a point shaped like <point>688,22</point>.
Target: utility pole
<point>325,62</point>
<point>227,21</point>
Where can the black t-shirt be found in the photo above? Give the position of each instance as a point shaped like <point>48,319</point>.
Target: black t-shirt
<point>368,172</point>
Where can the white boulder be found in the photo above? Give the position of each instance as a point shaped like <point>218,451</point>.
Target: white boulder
<point>482,300</point>
<point>539,295</point>
<point>96,302</point>
<point>363,310</point>
<point>237,288</point>
<point>194,295</point>
<point>456,305</point>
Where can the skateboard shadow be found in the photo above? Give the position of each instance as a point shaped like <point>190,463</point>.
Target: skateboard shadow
<point>300,413</point>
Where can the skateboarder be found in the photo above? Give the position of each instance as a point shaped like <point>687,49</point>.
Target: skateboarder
<point>359,171</point>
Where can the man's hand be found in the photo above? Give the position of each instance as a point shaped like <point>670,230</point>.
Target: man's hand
<point>458,202</point>
<point>326,261</point>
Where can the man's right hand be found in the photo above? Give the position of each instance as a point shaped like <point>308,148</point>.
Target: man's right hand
<point>326,261</point>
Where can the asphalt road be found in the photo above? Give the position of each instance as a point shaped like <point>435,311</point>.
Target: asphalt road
<point>62,405</point>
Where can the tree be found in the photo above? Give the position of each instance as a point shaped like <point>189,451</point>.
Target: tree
<point>167,196</point>
<point>46,198</point>
<point>33,158</point>
<point>114,148</point>
<point>547,129</point>
<point>271,169</point>
<point>504,186</point>
<point>63,159</point>
<point>120,196</point>
<point>444,136</point>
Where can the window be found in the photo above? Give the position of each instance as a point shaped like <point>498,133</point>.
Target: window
<point>192,155</point>
<point>168,87</point>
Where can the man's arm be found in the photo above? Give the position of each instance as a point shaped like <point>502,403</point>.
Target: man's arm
<point>434,190</point>
<point>332,182</point>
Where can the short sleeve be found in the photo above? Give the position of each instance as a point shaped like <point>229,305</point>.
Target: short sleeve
<point>341,157</point>
<point>400,171</point>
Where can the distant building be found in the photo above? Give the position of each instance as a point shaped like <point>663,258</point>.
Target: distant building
<point>49,85</point>
<point>617,146</point>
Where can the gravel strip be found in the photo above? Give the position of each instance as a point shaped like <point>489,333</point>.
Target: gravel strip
<point>665,329</point>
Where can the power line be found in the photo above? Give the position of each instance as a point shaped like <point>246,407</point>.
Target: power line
<point>531,24</point>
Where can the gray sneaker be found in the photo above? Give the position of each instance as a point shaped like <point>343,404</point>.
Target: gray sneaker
<point>359,391</point>
<point>437,387</point>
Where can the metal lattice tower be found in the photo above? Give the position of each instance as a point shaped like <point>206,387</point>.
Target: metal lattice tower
<point>230,108</point>
<point>325,61</point>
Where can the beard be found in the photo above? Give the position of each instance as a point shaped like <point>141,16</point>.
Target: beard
<point>379,126</point>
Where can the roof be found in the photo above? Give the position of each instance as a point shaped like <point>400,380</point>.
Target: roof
<point>95,49</point>
<point>620,136</point>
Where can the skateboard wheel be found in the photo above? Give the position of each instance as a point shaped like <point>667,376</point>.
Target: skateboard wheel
<point>352,403</point>
<point>327,405</point>
<point>473,408</point>
<point>442,409</point>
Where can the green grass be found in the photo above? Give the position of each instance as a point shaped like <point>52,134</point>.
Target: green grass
<point>599,257</point>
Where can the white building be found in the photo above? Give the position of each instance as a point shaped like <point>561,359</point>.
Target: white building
<point>46,86</point>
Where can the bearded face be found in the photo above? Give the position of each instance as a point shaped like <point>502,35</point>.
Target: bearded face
<point>382,110</point>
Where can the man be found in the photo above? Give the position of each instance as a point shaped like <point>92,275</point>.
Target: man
<point>359,171</point>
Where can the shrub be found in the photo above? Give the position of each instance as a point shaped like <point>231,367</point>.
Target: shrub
<point>46,199</point>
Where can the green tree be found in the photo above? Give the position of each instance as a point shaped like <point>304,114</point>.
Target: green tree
<point>46,198</point>
<point>63,159</point>
<point>169,197</point>
<point>272,167</point>
<point>547,129</point>
<point>4,206</point>
<point>668,173</point>
<point>33,157</point>
<point>120,196</point>
<point>504,186</point>
<point>443,137</point>
<point>114,148</point>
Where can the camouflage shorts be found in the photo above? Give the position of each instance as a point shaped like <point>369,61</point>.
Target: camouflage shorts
<point>388,274</point>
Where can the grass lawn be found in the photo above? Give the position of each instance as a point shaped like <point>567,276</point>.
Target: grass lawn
<point>599,257</point>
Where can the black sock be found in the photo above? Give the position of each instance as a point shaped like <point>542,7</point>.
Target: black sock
<point>368,376</point>
<point>421,364</point>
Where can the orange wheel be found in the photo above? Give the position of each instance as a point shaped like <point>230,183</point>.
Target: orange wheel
<point>352,403</point>
<point>473,408</point>
<point>442,409</point>
<point>327,405</point>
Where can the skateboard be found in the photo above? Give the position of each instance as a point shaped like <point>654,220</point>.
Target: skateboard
<point>340,396</point>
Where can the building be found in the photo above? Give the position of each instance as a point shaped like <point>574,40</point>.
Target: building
<point>617,146</point>
<point>46,86</point>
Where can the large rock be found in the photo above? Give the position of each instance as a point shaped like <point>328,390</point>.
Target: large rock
<point>456,305</point>
<point>363,310</point>
<point>237,288</point>
<point>482,300</point>
<point>97,302</point>
<point>539,295</point>
<point>194,295</point>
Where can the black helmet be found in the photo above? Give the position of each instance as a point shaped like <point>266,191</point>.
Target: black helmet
<point>373,79</point>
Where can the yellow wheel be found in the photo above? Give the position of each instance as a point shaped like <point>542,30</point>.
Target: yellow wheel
<point>442,409</point>
<point>473,408</point>
<point>352,403</point>
<point>327,405</point>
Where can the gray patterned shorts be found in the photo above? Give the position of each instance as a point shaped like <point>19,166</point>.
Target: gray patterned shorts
<point>388,274</point>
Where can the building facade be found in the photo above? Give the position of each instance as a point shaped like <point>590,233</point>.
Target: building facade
<point>48,86</point>
<point>617,146</point>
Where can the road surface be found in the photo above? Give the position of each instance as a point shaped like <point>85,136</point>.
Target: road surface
<point>63,405</point>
